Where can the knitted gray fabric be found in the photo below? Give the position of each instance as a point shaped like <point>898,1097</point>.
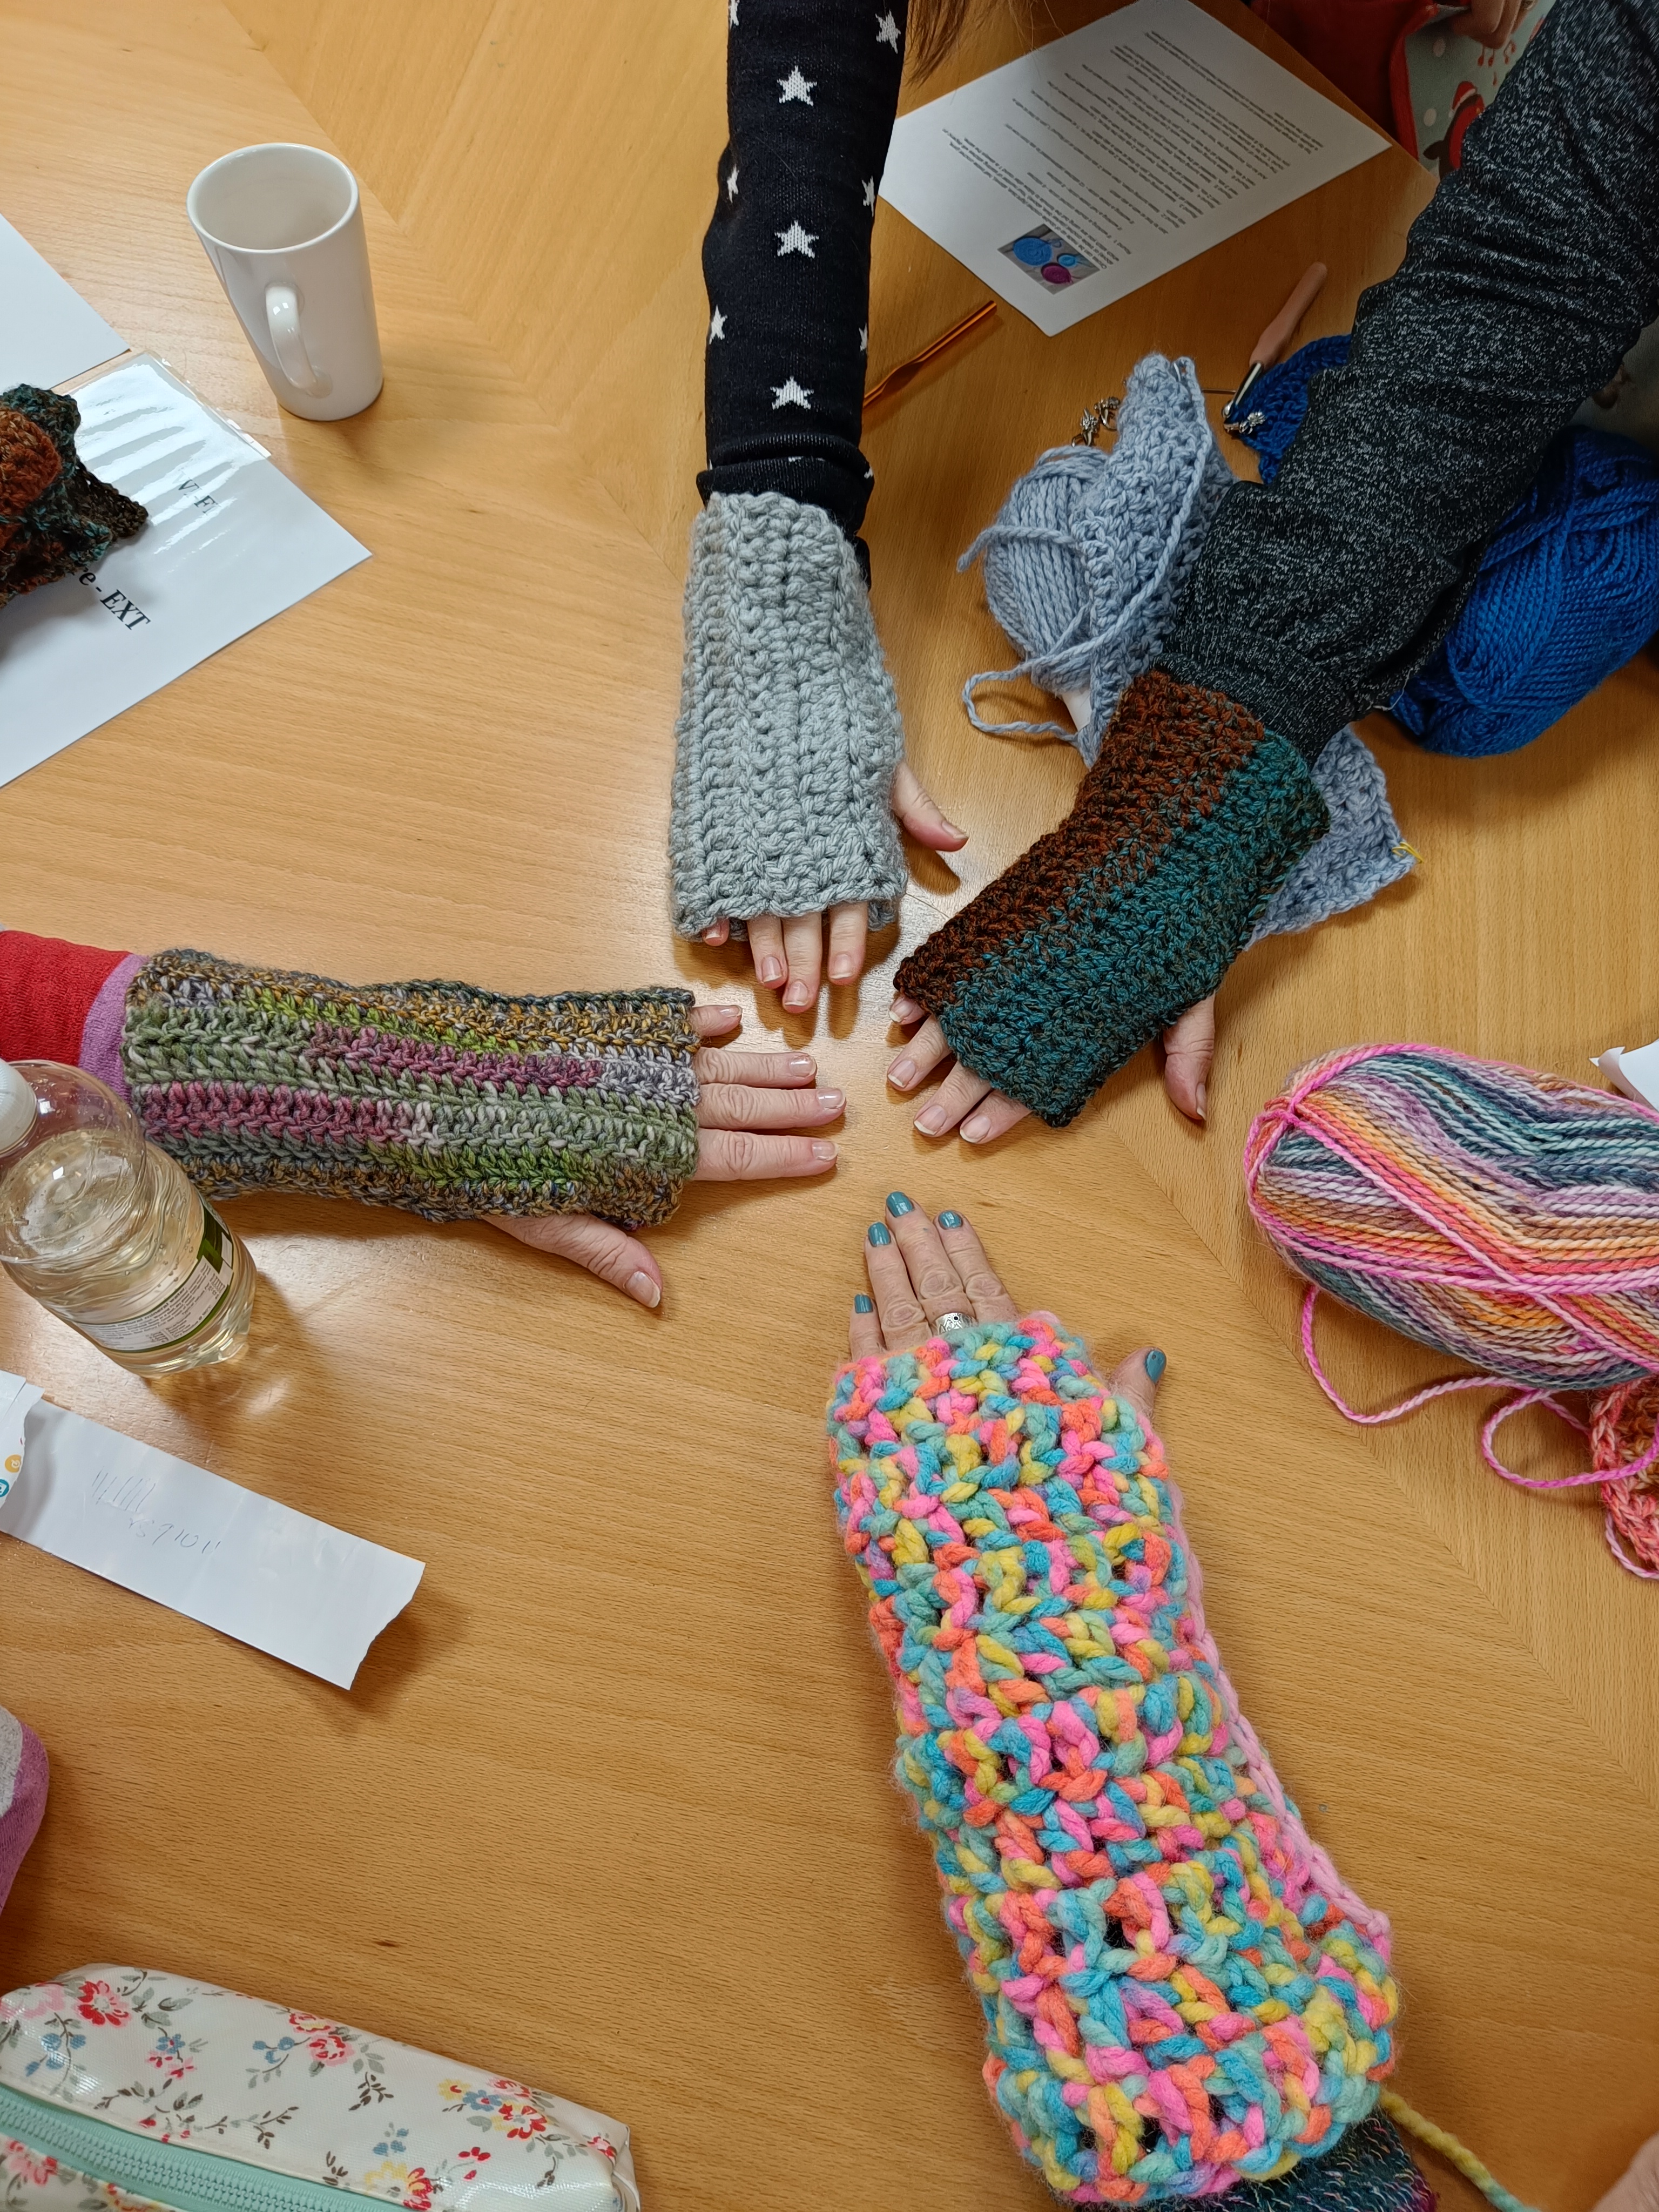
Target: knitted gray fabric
<point>789,732</point>
<point>1086,566</point>
<point>1088,560</point>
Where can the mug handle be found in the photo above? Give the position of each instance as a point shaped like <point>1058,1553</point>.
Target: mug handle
<point>283,316</point>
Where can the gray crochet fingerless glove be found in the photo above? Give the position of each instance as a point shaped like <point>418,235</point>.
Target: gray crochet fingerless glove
<point>789,731</point>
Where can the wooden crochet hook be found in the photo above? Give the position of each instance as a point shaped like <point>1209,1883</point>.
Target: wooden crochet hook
<point>897,379</point>
<point>1278,333</point>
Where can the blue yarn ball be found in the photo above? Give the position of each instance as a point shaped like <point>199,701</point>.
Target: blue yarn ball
<point>1567,591</point>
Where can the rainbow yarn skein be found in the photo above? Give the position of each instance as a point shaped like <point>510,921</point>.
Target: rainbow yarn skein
<point>1507,1216</point>
<point>1180,1992</point>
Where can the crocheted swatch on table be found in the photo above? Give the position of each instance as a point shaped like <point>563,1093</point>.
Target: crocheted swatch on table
<point>450,1101</point>
<point>55,515</point>
<point>1179,1990</point>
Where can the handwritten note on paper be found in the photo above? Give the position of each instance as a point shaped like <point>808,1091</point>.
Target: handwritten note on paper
<point>1082,171</point>
<point>201,1545</point>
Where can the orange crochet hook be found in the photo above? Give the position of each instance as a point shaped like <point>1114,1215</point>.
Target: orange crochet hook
<point>1278,333</point>
<point>897,379</point>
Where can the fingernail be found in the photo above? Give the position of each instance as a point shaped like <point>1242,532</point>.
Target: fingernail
<point>930,1123</point>
<point>949,1220</point>
<point>840,970</point>
<point>878,1235</point>
<point>1203,1102</point>
<point>862,1304</point>
<point>711,937</point>
<point>903,1010</point>
<point>1155,1363</point>
<point>954,831</point>
<point>802,1063</point>
<point>771,971</point>
<point>901,1074</point>
<point>822,1150</point>
<point>830,1101</point>
<point>644,1288</point>
<point>898,1203</point>
<point>975,1129</point>
<point>797,996</point>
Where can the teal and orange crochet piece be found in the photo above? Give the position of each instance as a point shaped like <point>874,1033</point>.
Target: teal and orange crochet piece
<point>449,1101</point>
<point>55,515</point>
<point>1112,926</point>
<point>1180,1992</point>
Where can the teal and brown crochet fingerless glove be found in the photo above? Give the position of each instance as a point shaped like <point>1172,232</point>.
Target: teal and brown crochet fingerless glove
<point>55,515</point>
<point>1132,910</point>
<point>447,1100</point>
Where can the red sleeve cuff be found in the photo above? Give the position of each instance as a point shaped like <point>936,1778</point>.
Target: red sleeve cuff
<point>48,987</point>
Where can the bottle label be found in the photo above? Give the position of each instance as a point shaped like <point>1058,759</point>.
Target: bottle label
<point>197,1299</point>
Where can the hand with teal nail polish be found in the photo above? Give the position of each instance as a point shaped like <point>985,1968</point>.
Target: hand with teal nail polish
<point>922,1271</point>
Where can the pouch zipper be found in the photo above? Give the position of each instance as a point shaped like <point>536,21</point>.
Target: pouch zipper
<point>171,2173</point>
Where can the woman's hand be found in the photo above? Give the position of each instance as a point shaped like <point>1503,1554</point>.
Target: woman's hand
<point>749,1103</point>
<point>787,951</point>
<point>921,1270</point>
<point>982,1113</point>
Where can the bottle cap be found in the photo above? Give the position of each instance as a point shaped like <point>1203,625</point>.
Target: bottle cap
<point>18,1107</point>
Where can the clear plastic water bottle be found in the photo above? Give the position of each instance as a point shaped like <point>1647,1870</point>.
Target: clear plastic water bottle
<point>107,1232</point>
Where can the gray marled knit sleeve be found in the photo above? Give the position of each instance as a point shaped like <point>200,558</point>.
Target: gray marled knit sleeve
<point>1525,283</point>
<point>789,731</point>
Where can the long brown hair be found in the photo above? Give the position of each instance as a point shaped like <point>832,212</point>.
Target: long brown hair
<point>934,28</point>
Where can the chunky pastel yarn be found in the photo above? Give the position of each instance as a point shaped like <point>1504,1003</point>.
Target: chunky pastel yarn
<point>1504,1216</point>
<point>1566,590</point>
<point>1179,1991</point>
<point>447,1100</point>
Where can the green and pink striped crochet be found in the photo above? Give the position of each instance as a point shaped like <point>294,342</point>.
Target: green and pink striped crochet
<point>449,1101</point>
<point>1180,1992</point>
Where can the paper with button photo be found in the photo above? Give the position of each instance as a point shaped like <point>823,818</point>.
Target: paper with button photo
<point>253,1569</point>
<point>1082,171</point>
<point>229,542</point>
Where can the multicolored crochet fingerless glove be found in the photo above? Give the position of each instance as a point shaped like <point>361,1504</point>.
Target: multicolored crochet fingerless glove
<point>1179,1991</point>
<point>789,731</point>
<point>448,1102</point>
<point>55,515</point>
<point>432,1096</point>
<point>1132,910</point>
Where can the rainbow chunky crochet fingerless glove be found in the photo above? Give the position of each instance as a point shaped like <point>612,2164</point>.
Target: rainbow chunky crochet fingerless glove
<point>449,1101</point>
<point>1132,910</point>
<point>55,515</point>
<point>1179,1992</point>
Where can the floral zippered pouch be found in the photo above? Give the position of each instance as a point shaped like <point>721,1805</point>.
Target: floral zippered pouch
<point>126,2091</point>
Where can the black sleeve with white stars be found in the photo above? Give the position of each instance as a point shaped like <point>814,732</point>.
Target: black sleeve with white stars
<point>811,88</point>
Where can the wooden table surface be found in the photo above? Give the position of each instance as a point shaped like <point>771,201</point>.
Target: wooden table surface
<point>610,1807</point>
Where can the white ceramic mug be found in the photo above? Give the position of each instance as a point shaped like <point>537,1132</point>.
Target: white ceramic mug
<point>284,227</point>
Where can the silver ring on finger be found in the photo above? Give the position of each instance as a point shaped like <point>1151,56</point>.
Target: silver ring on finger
<point>950,1320</point>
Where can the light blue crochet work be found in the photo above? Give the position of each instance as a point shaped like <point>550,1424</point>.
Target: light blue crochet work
<point>1085,568</point>
<point>1090,557</point>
